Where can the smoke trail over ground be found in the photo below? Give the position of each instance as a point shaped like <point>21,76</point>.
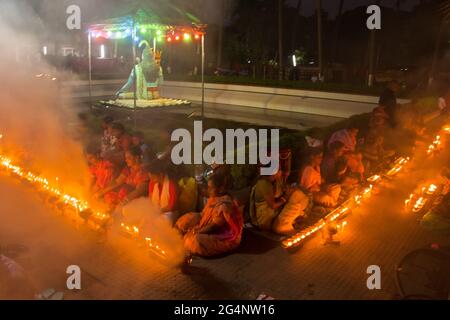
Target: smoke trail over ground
<point>35,124</point>
<point>151,223</point>
<point>33,119</point>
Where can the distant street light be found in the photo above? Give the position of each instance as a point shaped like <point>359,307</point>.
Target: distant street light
<point>102,51</point>
<point>294,60</point>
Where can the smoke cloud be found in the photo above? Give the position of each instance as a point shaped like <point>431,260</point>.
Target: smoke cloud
<point>36,125</point>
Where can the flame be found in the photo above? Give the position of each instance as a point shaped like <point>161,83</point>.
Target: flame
<point>435,145</point>
<point>420,203</point>
<point>154,247</point>
<point>431,189</point>
<point>408,201</point>
<point>342,209</point>
<point>399,164</point>
<point>374,178</point>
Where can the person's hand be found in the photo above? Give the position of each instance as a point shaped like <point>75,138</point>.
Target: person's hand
<point>288,191</point>
<point>125,201</point>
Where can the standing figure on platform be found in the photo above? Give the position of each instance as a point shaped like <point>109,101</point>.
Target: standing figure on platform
<point>149,76</point>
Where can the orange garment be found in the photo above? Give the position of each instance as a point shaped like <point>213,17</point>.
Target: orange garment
<point>311,177</point>
<point>102,172</point>
<point>134,178</point>
<point>224,214</point>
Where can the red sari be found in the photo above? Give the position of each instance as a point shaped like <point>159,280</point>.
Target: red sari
<point>103,173</point>
<point>134,178</point>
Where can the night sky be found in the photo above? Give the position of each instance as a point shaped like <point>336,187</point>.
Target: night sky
<point>209,9</point>
<point>332,5</point>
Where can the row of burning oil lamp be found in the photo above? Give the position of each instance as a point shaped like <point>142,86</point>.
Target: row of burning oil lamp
<point>341,211</point>
<point>346,207</point>
<point>422,197</point>
<point>134,233</point>
<point>96,220</point>
<point>418,205</point>
<point>435,146</point>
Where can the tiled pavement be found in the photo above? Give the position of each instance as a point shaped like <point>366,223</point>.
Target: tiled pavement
<point>379,233</point>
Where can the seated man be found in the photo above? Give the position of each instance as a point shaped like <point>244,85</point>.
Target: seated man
<point>131,184</point>
<point>311,179</point>
<point>162,191</point>
<point>270,210</point>
<point>102,171</point>
<point>218,229</point>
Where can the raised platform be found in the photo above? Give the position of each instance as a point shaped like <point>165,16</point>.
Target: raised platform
<point>145,104</point>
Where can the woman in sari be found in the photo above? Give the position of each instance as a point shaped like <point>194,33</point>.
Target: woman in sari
<point>218,229</point>
<point>131,184</point>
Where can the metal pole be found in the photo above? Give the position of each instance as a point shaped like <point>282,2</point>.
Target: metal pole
<point>133,39</point>
<point>319,37</point>
<point>90,68</point>
<point>372,40</point>
<point>371,58</point>
<point>203,76</point>
<point>280,41</point>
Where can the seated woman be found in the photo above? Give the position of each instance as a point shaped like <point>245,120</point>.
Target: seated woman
<point>379,119</point>
<point>272,210</point>
<point>120,142</point>
<point>162,191</point>
<point>311,179</point>
<point>102,171</point>
<point>347,137</point>
<point>131,184</point>
<point>218,229</point>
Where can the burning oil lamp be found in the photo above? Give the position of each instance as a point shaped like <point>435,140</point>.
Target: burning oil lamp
<point>367,192</point>
<point>408,201</point>
<point>420,203</point>
<point>129,230</point>
<point>431,189</point>
<point>328,234</point>
<point>154,247</point>
<point>374,178</point>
